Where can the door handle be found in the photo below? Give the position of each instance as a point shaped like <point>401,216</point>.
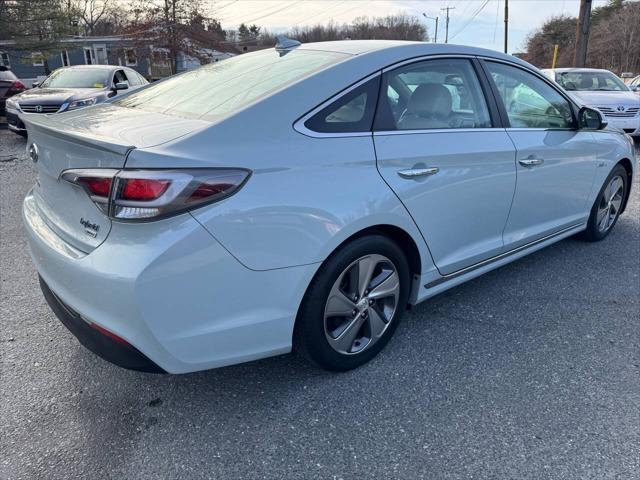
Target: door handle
<point>418,172</point>
<point>530,161</point>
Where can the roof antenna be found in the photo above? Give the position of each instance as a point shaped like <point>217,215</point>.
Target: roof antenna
<point>283,44</point>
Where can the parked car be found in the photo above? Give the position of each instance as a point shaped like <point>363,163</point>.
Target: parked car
<point>9,86</point>
<point>603,90</point>
<point>70,88</point>
<point>302,197</point>
<point>634,85</point>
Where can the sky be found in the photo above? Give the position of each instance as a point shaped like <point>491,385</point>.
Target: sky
<point>472,22</point>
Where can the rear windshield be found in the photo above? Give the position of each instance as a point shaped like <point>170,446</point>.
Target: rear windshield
<point>7,75</point>
<point>219,89</point>
<point>77,78</point>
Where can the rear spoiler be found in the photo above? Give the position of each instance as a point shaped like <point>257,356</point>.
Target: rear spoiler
<point>50,126</point>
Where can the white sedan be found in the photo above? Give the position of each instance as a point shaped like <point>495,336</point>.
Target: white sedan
<point>603,90</point>
<point>301,197</point>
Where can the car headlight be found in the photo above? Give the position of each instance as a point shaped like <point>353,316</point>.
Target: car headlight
<point>85,102</point>
<point>11,104</point>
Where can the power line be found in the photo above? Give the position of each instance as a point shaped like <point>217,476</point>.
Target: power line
<point>475,14</point>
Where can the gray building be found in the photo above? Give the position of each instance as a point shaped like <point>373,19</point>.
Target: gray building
<point>150,61</point>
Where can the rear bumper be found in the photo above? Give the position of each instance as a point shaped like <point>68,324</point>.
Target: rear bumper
<point>171,291</point>
<point>119,353</point>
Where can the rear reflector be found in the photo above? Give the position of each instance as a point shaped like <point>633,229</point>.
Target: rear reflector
<point>109,334</point>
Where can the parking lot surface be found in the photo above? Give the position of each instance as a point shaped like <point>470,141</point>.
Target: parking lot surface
<point>529,372</point>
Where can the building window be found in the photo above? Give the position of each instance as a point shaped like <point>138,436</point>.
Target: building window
<point>88,56</point>
<point>37,59</point>
<point>64,55</point>
<point>130,58</point>
<point>4,59</point>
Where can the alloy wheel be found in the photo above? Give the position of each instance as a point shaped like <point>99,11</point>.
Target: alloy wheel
<point>361,304</point>
<point>610,203</point>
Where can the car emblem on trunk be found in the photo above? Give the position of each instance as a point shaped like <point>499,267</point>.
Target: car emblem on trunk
<point>33,152</point>
<point>621,108</point>
<point>89,227</point>
<point>39,108</point>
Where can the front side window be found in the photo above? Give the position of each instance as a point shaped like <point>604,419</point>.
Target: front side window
<point>353,112</point>
<point>432,94</point>
<point>220,89</point>
<point>529,101</point>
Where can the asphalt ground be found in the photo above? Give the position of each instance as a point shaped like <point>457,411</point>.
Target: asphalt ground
<point>529,372</point>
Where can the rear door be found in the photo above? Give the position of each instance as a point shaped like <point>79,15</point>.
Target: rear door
<point>556,163</point>
<point>441,149</point>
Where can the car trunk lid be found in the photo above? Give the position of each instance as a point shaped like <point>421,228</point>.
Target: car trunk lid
<point>96,138</point>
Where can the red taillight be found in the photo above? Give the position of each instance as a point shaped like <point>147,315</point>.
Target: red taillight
<point>17,86</point>
<point>143,189</point>
<point>98,186</point>
<point>150,194</point>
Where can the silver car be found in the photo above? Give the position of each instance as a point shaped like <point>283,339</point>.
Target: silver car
<point>301,197</point>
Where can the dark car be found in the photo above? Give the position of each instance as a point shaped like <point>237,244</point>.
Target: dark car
<point>9,86</point>
<point>70,88</point>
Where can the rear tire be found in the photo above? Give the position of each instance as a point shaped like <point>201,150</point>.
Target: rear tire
<point>354,304</point>
<point>606,209</point>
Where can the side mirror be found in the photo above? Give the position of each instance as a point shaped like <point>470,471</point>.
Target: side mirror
<point>121,86</point>
<point>35,84</point>
<point>635,88</point>
<point>591,119</point>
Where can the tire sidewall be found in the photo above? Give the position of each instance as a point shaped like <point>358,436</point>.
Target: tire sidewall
<point>309,335</point>
<point>592,227</point>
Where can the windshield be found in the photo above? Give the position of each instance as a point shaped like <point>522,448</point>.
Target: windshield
<point>221,88</point>
<point>77,78</point>
<point>600,81</point>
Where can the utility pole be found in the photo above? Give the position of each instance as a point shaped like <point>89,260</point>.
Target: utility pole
<point>435,37</point>
<point>446,28</point>
<point>506,25</point>
<point>582,34</point>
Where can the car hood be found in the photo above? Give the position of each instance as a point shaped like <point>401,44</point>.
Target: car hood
<point>57,95</point>
<point>594,98</point>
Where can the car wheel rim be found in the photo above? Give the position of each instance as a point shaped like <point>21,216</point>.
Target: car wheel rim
<point>361,304</point>
<point>610,204</point>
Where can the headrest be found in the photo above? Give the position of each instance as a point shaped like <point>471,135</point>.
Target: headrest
<point>430,99</point>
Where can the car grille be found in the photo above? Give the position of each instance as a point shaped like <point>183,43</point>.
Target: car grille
<point>42,109</point>
<point>614,113</point>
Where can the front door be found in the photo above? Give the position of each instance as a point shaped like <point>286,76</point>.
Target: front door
<point>556,163</point>
<point>437,149</point>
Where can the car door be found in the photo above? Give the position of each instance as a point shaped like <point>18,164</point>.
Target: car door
<point>556,162</point>
<point>440,147</point>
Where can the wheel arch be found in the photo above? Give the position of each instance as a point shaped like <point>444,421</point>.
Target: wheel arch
<point>626,164</point>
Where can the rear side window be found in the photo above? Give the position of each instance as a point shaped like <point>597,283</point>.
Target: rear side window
<point>432,94</point>
<point>222,88</point>
<point>353,112</point>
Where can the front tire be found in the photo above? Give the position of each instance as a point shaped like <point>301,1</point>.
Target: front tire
<point>354,304</point>
<point>606,209</point>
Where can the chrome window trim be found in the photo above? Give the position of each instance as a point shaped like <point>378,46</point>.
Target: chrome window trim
<point>300,127</point>
<point>381,133</point>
